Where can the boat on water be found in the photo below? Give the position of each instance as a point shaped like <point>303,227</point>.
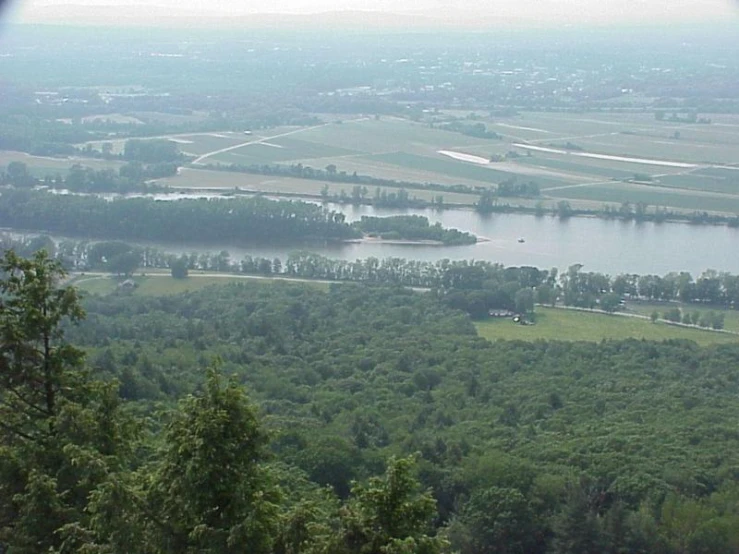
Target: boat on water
<point>521,240</point>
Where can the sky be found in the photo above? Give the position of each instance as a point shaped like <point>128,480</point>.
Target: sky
<point>512,12</point>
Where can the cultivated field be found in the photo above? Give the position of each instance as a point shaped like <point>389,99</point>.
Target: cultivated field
<point>190,178</point>
<point>41,166</point>
<point>559,324</point>
<point>588,159</point>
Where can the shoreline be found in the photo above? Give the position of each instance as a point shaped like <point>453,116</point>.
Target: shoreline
<point>408,242</point>
<point>683,217</point>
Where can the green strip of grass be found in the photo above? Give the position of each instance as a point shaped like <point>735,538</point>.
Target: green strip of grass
<point>558,324</point>
<point>164,284</point>
<point>731,321</point>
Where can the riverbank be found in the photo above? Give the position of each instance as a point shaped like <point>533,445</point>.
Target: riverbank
<point>560,211</point>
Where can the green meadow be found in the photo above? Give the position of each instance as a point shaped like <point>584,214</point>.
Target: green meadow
<point>571,325</point>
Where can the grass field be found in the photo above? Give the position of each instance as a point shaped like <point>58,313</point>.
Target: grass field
<point>149,286</point>
<point>685,199</point>
<point>731,321</point>
<point>699,180</point>
<point>163,284</point>
<point>559,324</point>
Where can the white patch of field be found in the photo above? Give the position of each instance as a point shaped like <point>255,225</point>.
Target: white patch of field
<point>644,161</point>
<point>115,118</point>
<point>461,156</point>
<point>180,141</point>
<point>519,127</point>
<point>217,135</point>
<point>271,144</point>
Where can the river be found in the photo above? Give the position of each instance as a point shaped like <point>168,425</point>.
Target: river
<point>608,246</point>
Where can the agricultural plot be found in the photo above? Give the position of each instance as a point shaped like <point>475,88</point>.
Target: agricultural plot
<point>203,143</point>
<point>364,165</point>
<point>41,166</point>
<point>203,179</point>
<point>113,118</point>
<point>171,118</point>
<point>570,325</point>
<point>455,168</point>
<point>592,171</point>
<point>370,136</point>
<point>617,193</point>
<point>699,180</point>
<point>197,144</point>
<point>660,148</point>
<point>394,148</point>
<point>281,150</point>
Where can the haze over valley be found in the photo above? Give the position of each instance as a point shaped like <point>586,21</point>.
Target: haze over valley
<point>350,277</point>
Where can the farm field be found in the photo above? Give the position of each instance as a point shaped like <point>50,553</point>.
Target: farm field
<point>671,154</point>
<point>41,166</point>
<point>685,199</point>
<point>204,179</point>
<point>570,325</point>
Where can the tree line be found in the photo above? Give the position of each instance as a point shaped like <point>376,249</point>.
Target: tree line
<point>130,177</point>
<point>334,175</point>
<point>473,286</point>
<point>590,289</point>
<point>237,220</point>
<point>411,227</point>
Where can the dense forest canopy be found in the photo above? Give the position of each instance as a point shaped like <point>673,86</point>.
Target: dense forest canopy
<point>412,227</point>
<point>195,221</point>
<point>525,447</point>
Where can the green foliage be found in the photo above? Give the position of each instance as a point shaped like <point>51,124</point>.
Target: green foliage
<point>619,446</point>
<point>412,227</point>
<point>498,521</point>
<point>180,267</point>
<point>151,151</point>
<point>388,515</point>
<point>209,488</point>
<point>183,220</point>
<point>61,434</point>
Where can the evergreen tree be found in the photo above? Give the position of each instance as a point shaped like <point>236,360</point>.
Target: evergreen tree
<point>209,490</point>
<point>60,433</point>
<point>388,515</point>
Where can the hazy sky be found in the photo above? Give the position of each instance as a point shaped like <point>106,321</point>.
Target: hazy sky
<point>509,11</point>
